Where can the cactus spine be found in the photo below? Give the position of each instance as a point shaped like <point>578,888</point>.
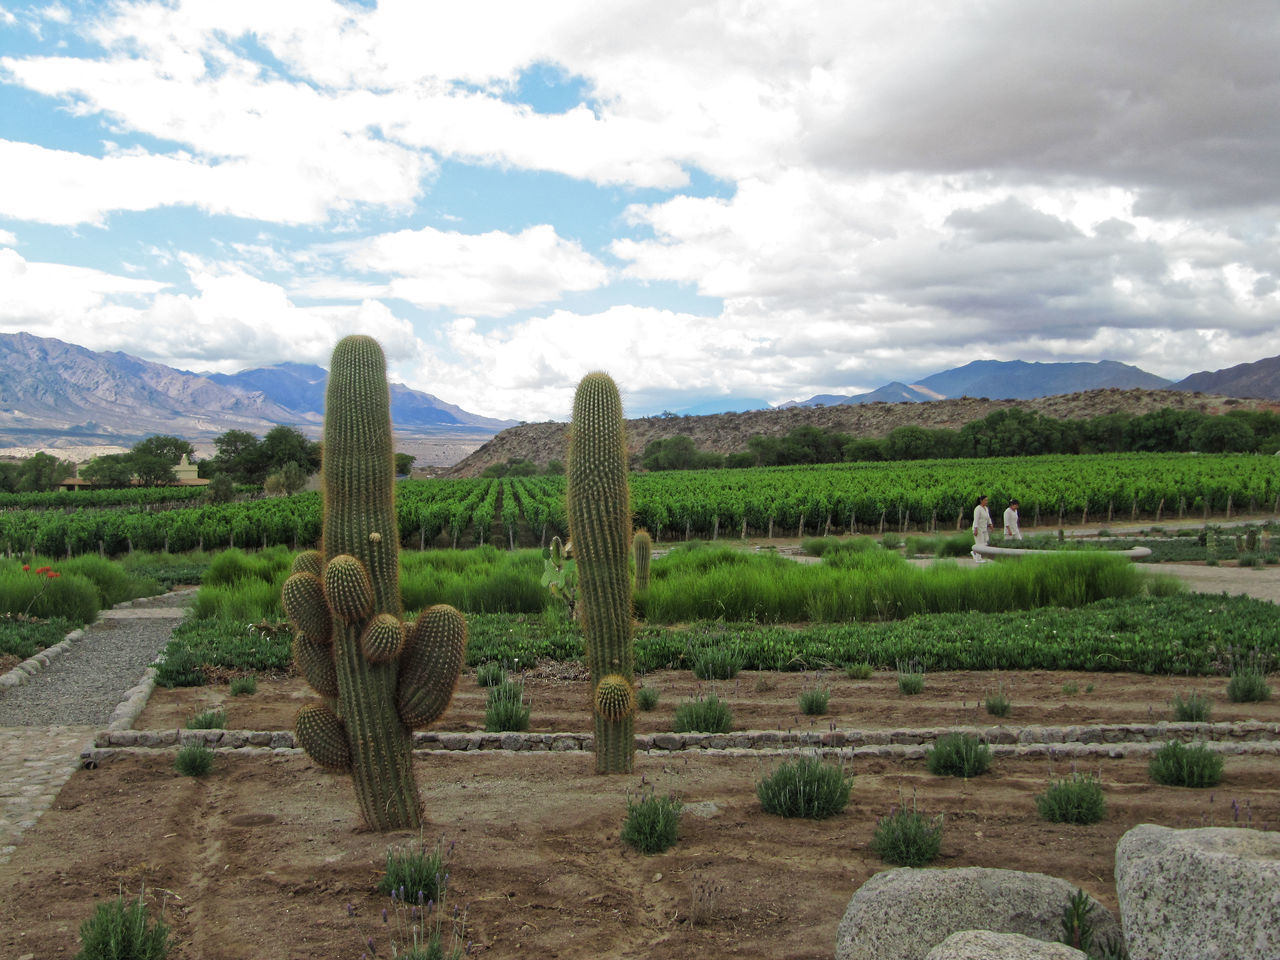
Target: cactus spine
<point>380,677</point>
<point>642,545</point>
<point>600,527</point>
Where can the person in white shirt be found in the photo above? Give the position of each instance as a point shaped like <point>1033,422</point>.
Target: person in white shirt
<point>981,527</point>
<point>1011,530</point>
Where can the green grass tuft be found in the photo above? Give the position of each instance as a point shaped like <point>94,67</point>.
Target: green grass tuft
<point>1177,765</point>
<point>194,760</point>
<point>906,838</point>
<point>652,823</point>
<point>208,720</point>
<point>120,931</point>
<point>805,787</point>
<point>958,755</point>
<point>707,714</point>
<point>1074,799</point>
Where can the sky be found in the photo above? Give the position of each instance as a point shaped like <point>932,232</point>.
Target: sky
<point>731,201</point>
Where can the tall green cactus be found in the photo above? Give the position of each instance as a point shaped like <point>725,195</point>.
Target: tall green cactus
<point>600,529</point>
<point>380,678</point>
<point>642,546</point>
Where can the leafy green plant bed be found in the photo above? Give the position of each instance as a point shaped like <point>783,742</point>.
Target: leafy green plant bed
<point>26,638</point>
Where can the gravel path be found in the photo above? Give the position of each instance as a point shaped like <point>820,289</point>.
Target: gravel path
<point>84,685</point>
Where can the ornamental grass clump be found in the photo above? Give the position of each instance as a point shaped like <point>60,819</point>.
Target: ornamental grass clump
<point>707,714</point>
<point>910,682</point>
<point>815,702</point>
<point>120,931</point>
<point>1194,709</point>
<point>652,823</point>
<point>505,709</point>
<point>859,671</point>
<point>415,872</point>
<point>1248,685</point>
<point>1177,765</point>
<point>958,755</point>
<point>490,674</point>
<point>208,720</point>
<point>647,698</point>
<point>717,663</point>
<point>907,838</point>
<point>194,760</point>
<point>1074,799</point>
<point>805,787</point>
<point>997,704</point>
<point>244,686</point>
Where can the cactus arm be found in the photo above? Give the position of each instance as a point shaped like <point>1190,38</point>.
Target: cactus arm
<point>429,669</point>
<point>642,545</point>
<point>599,514</point>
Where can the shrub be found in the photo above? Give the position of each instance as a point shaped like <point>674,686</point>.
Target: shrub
<point>490,674</point>
<point>704,715</point>
<point>1177,765</point>
<point>180,668</point>
<point>208,720</point>
<point>244,686</point>
<point>647,698</point>
<point>717,663</point>
<point>505,709</point>
<point>814,703</point>
<point>1194,709</point>
<point>1248,685</point>
<point>858,671</point>
<point>905,838</point>
<point>1074,799</point>
<point>194,760</point>
<point>120,931</point>
<point>415,873</point>
<point>958,755</point>
<point>113,583</point>
<point>910,683</point>
<point>23,639</point>
<point>44,593</point>
<point>997,704</point>
<point>652,823</point>
<point>805,787</point>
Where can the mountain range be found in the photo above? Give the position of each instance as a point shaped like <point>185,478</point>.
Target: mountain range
<point>61,395</point>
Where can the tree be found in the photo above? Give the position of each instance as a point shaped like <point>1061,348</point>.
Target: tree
<point>152,470</point>
<point>288,479</point>
<point>864,448</point>
<point>1223,435</point>
<point>284,445</point>
<point>909,443</point>
<point>112,471</point>
<point>555,468</point>
<point>167,448</point>
<point>241,455</point>
<point>43,472</point>
<point>404,464</point>
<point>221,488</point>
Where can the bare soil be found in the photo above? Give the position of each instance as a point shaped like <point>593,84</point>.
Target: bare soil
<point>262,858</point>
<point>764,700</point>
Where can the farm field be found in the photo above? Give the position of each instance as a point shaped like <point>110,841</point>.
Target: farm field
<point>262,857</point>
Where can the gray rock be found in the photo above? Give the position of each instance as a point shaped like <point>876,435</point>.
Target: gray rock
<point>905,913</point>
<point>986,945</point>
<point>1211,893</point>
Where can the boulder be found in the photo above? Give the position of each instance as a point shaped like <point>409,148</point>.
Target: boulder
<point>985,945</point>
<point>1210,893</point>
<point>905,913</point>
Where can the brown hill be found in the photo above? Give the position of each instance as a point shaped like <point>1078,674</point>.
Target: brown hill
<point>729,432</point>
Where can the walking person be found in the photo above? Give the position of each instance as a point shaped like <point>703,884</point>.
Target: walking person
<point>1011,531</point>
<point>981,527</point>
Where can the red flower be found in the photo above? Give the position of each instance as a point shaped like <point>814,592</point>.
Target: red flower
<point>26,566</point>
<point>43,569</point>
<point>53,573</point>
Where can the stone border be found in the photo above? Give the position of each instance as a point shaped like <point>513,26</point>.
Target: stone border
<point>1113,740</point>
<point>1017,553</point>
<point>36,662</point>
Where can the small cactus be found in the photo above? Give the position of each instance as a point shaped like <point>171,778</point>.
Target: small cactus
<point>600,527</point>
<point>379,677</point>
<point>642,546</point>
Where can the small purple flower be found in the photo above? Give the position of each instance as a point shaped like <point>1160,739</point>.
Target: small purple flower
<point>384,914</point>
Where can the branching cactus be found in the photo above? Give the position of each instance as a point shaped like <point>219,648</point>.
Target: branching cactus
<point>600,529</point>
<point>380,678</point>
<point>642,546</point>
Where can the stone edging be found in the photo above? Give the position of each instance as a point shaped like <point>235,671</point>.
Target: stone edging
<point>36,662</point>
<point>1113,740</point>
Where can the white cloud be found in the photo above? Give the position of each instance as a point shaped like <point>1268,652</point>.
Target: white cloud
<point>488,274</point>
<point>8,238</point>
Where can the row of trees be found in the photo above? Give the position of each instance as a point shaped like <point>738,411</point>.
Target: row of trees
<point>1011,432</point>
